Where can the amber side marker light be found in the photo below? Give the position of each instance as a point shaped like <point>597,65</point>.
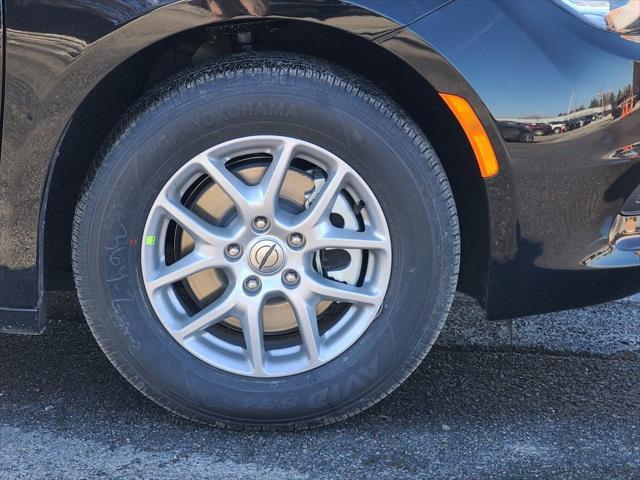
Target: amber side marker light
<point>475,132</point>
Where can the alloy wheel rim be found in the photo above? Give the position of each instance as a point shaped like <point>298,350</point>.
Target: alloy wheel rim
<point>268,252</point>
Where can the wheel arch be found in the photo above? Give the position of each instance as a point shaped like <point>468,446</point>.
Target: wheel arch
<point>159,55</point>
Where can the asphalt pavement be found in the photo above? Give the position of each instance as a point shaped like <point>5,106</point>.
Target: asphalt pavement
<point>555,396</point>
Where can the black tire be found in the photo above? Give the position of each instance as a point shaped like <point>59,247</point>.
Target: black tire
<point>251,94</point>
<point>557,130</point>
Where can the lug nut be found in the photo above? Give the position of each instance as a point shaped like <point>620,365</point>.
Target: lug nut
<point>234,250</point>
<point>252,284</point>
<point>296,240</point>
<point>290,277</point>
<point>260,223</point>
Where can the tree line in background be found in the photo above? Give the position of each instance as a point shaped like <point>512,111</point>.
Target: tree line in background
<point>603,100</point>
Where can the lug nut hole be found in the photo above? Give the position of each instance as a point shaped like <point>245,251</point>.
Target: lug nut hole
<point>296,240</point>
<point>260,223</point>
<point>233,251</point>
<point>290,278</point>
<point>252,284</point>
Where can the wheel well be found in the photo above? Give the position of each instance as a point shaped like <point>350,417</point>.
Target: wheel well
<point>109,100</point>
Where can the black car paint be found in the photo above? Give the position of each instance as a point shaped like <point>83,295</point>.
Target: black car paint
<point>567,189</point>
<point>549,208</point>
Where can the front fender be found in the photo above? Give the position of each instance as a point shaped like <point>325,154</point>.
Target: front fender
<point>531,61</point>
<point>58,52</point>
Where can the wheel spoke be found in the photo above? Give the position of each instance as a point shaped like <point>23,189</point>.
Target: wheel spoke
<point>325,199</point>
<point>273,179</point>
<point>238,191</point>
<point>341,292</point>
<point>252,329</point>
<point>308,325</point>
<point>209,316</point>
<point>348,239</point>
<point>183,268</point>
<point>193,224</point>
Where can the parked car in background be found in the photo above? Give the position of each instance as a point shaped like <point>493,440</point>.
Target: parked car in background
<point>573,124</point>
<point>266,229</point>
<point>539,129</point>
<point>515,132</point>
<point>558,127</point>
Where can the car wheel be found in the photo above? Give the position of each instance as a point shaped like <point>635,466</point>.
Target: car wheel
<point>557,130</point>
<point>526,137</point>
<point>266,242</point>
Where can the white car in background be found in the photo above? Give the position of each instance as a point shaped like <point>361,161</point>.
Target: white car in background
<point>558,127</point>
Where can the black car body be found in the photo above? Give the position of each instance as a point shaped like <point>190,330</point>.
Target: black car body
<point>515,132</point>
<point>573,124</point>
<point>523,253</point>
<point>555,228</point>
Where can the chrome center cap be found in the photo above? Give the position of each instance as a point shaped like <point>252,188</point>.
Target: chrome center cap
<point>266,256</point>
